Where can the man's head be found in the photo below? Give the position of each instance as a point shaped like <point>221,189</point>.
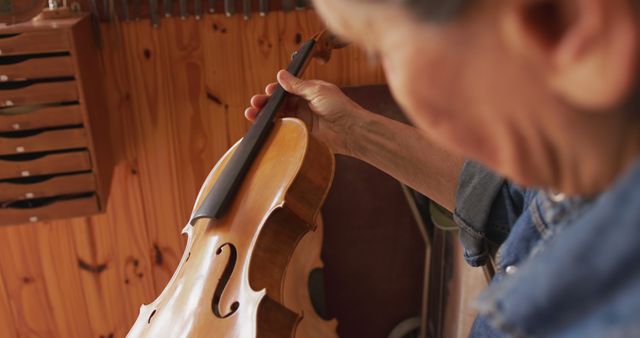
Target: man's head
<point>532,88</point>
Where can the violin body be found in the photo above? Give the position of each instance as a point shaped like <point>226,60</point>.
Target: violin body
<point>246,274</point>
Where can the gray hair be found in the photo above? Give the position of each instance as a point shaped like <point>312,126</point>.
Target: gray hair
<point>430,10</point>
<point>434,10</point>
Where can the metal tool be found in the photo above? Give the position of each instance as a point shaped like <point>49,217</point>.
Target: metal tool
<point>94,9</point>
<point>153,11</point>
<point>136,9</point>
<point>168,7</point>
<point>105,8</point>
<point>246,9</point>
<point>229,7</point>
<point>197,9</point>
<point>264,7</point>
<point>125,9</point>
<point>183,9</point>
<point>287,5</point>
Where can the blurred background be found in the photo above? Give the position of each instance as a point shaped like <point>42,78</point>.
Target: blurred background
<point>112,113</point>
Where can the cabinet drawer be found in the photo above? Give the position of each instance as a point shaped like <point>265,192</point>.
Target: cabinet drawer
<point>44,141</point>
<point>34,42</point>
<point>37,68</point>
<point>50,186</point>
<point>48,92</point>
<point>51,208</point>
<point>38,117</point>
<point>45,165</point>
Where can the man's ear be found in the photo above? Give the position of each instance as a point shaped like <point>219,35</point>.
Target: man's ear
<point>587,49</point>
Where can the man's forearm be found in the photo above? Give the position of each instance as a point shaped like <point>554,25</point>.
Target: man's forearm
<point>405,153</point>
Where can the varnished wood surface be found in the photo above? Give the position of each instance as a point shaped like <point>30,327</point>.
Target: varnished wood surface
<point>33,42</point>
<point>38,68</point>
<point>71,138</point>
<point>245,257</point>
<point>175,97</point>
<point>42,116</point>
<point>69,103</point>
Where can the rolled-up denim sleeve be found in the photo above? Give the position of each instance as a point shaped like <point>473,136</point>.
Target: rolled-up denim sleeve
<point>486,207</point>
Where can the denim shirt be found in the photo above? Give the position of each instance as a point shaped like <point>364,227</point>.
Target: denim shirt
<point>566,267</point>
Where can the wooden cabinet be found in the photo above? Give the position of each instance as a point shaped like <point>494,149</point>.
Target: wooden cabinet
<point>55,156</point>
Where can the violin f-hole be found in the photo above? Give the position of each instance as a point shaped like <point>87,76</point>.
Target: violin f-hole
<point>222,283</point>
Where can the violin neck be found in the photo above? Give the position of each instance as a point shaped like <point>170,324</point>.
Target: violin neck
<point>299,61</point>
<point>227,184</point>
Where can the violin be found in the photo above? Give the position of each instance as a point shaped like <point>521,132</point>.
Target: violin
<point>254,236</point>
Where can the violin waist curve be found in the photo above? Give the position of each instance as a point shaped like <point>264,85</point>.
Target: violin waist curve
<point>246,274</point>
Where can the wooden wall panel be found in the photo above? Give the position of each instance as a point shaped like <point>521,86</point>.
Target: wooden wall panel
<point>176,96</point>
<point>156,153</point>
<point>24,275</point>
<point>62,279</point>
<point>6,318</point>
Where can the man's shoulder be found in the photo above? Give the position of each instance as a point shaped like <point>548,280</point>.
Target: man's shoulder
<point>584,279</point>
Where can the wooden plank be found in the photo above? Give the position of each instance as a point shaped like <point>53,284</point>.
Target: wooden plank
<point>132,254</point>
<point>43,116</point>
<point>33,313</point>
<point>94,108</point>
<point>56,185</point>
<point>6,317</point>
<point>224,65</point>
<point>118,94</point>
<point>189,110</point>
<point>151,93</point>
<point>53,244</point>
<point>113,261</point>
<point>34,42</point>
<point>48,164</point>
<point>60,139</point>
<point>57,209</point>
<point>38,68</point>
<point>46,92</point>
<point>261,47</point>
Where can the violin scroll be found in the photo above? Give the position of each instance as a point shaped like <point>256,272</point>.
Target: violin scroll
<point>326,42</point>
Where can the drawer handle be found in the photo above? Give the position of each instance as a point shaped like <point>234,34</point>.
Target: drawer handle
<point>29,195</point>
<point>44,201</point>
<point>15,126</point>
<point>29,180</point>
<point>8,103</point>
<point>33,219</point>
<point>25,173</point>
<point>4,78</point>
<point>20,149</point>
<point>8,36</point>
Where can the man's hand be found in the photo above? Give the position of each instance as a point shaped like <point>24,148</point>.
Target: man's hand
<point>329,113</point>
<point>400,150</point>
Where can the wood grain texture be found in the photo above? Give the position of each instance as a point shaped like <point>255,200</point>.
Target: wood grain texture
<point>6,318</point>
<point>93,105</point>
<point>46,92</point>
<point>175,96</point>
<point>38,117</point>
<point>39,68</point>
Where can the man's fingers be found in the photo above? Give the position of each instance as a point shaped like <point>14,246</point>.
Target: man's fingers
<point>258,101</point>
<point>295,85</point>
<point>271,88</point>
<point>251,113</point>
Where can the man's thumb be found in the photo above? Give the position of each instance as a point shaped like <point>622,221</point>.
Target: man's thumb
<point>293,85</point>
